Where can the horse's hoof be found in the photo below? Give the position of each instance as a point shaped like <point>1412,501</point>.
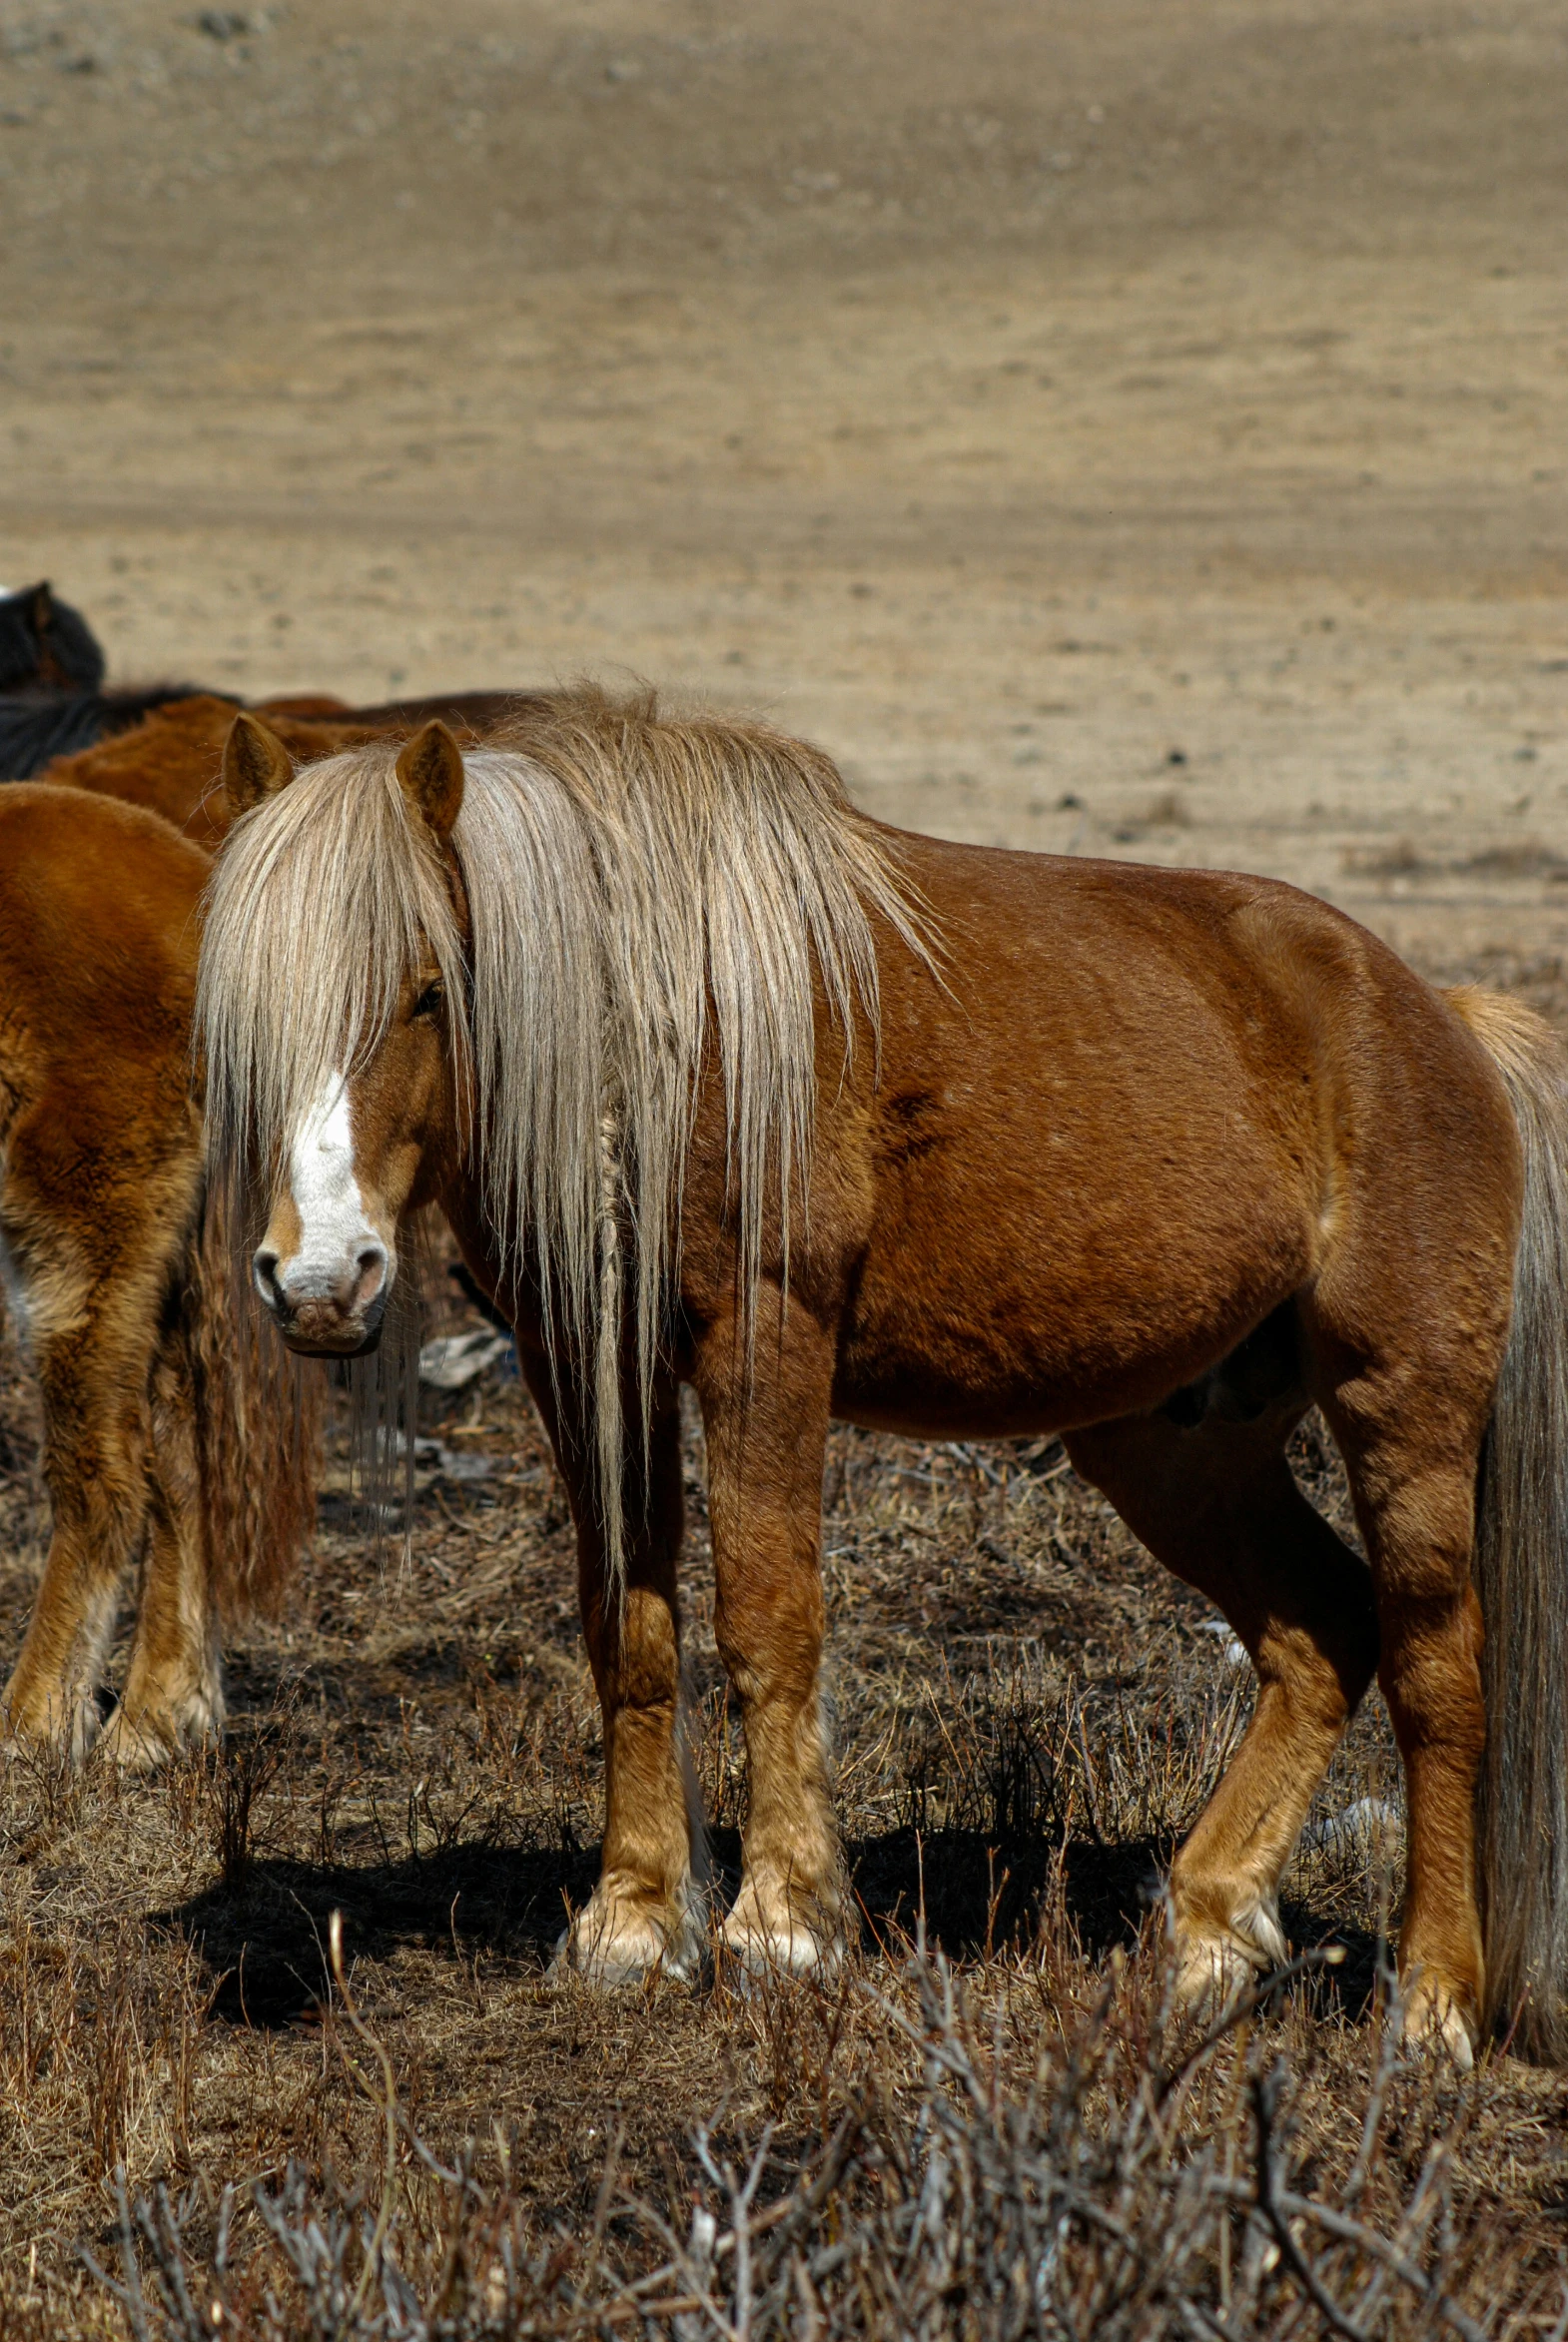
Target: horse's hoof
<point>1216,1967</point>
<point>612,1944</point>
<point>141,1747</point>
<point>153,1735</point>
<point>68,1727</point>
<point>781,1945</point>
<point>1213,1974</point>
<point>1432,2022</point>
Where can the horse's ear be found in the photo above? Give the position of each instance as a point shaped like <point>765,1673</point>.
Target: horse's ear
<point>256,763</point>
<point>429,770</point>
<point>43,608</point>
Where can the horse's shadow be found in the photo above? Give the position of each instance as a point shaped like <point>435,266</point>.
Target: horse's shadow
<point>262,1938</point>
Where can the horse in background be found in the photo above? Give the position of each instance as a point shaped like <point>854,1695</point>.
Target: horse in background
<point>173,1437</point>
<point>46,644</point>
<point>52,696</point>
<point>170,761</point>
<point>161,745</point>
<point>717,1082</point>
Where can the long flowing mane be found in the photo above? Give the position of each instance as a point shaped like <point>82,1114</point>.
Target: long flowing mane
<point>641,890</point>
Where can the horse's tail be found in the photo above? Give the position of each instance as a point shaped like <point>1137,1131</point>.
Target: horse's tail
<point>1522,1560</point>
<point>259,1426</point>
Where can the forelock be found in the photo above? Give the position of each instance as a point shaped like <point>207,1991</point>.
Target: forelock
<point>324,900</point>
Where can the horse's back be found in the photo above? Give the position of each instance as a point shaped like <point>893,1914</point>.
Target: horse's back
<point>98,928</point>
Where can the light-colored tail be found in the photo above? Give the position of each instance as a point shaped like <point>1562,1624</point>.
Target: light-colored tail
<point>1522,1560</point>
<point>257,1418</point>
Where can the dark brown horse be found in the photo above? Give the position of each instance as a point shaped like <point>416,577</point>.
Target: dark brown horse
<point>52,694</point>
<point>719,1082</point>
<point>46,644</point>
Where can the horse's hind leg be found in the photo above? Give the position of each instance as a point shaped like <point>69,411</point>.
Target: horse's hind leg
<point>767,1436</point>
<point>174,1685</point>
<point>645,1911</point>
<point>1219,1507</point>
<point>1411,1455</point>
<point>93,1374</point>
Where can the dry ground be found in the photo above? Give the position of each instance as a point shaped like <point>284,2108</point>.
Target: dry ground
<point>1134,429</point>
<point>1026,1715</point>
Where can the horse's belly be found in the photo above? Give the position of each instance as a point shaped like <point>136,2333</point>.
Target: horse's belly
<point>1003,1297</point>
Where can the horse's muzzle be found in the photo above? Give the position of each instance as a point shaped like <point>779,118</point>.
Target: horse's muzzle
<point>336,1317</point>
<point>317,1330</point>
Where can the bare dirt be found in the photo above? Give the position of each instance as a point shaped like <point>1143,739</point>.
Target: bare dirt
<point>1018,398</point>
<point>1137,430</point>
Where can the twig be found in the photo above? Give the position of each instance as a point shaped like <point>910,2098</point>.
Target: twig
<point>1349,2232</point>
<point>1388,2060</point>
<point>1265,2097</point>
<point>388,2106</point>
<point>129,2295</point>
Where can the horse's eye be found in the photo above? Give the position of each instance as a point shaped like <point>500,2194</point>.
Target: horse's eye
<point>429,1003</point>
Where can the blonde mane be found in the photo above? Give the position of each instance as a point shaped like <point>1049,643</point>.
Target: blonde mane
<point>642,891</point>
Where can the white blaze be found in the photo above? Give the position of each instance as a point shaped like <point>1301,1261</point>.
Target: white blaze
<point>334,1229</point>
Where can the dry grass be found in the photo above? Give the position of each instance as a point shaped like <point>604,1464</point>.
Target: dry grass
<point>999,2138</point>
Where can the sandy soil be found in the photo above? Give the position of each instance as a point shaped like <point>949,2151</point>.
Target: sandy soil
<point>1138,429</point>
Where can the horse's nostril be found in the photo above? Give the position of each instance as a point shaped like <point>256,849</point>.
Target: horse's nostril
<point>372,1263</point>
<point>265,1267</point>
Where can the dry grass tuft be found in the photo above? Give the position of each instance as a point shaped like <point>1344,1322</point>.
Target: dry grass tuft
<point>985,2125</point>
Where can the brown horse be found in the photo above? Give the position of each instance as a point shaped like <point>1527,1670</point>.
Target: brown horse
<point>170,758</point>
<point>166,1433</point>
<point>719,1082</point>
<point>141,1367</point>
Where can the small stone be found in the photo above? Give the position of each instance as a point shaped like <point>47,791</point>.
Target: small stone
<point>1069,803</point>
<point>622,69</point>
<point>1176,756</point>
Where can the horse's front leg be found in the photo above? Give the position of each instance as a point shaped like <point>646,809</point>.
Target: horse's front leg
<point>766,1434</point>
<point>647,1910</point>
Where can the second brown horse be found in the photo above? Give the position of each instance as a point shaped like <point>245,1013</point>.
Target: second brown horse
<point>169,1439</point>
